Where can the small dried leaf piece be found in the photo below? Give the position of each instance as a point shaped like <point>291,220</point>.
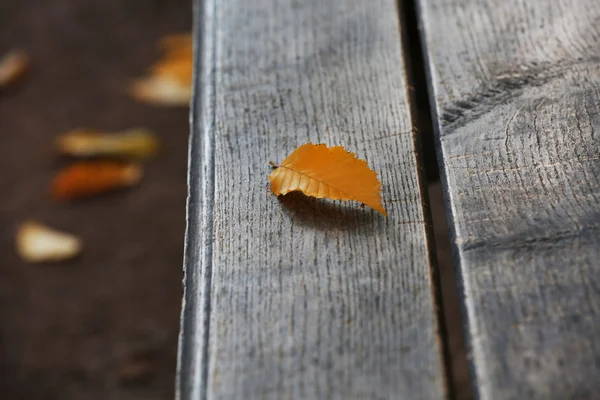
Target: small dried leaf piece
<point>176,44</point>
<point>332,172</point>
<point>170,81</point>
<point>39,243</point>
<point>12,67</point>
<point>161,90</point>
<point>134,143</point>
<point>88,178</point>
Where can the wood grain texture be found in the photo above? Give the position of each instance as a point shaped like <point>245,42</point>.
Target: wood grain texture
<point>517,95</point>
<point>300,298</point>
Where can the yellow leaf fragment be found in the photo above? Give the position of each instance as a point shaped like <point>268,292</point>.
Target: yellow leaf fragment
<point>332,172</point>
<point>176,44</point>
<point>39,243</point>
<point>170,79</point>
<point>131,143</point>
<point>12,67</point>
<point>161,90</point>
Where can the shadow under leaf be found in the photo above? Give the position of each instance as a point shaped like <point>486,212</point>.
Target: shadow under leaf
<point>329,214</point>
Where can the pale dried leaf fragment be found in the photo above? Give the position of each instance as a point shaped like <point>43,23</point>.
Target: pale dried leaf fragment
<point>39,243</point>
<point>132,143</point>
<point>162,90</point>
<point>331,172</point>
<point>170,80</point>
<point>13,66</point>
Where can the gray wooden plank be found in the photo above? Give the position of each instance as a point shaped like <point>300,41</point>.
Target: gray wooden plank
<point>300,298</point>
<point>517,92</point>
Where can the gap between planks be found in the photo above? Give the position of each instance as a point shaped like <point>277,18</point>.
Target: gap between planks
<point>450,314</point>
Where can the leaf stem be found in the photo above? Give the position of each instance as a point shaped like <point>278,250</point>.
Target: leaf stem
<point>272,164</point>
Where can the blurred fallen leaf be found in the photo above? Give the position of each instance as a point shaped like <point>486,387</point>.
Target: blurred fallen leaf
<point>13,66</point>
<point>332,172</point>
<point>39,243</point>
<point>176,45</point>
<point>160,90</point>
<point>170,81</point>
<point>132,143</point>
<point>88,178</point>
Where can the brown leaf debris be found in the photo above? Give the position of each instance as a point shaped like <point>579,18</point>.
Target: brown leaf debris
<point>12,67</point>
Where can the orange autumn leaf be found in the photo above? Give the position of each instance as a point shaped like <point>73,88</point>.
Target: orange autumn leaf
<point>331,172</point>
<point>178,45</point>
<point>88,178</point>
<point>169,82</point>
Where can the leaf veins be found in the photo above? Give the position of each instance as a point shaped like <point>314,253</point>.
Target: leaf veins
<point>331,172</point>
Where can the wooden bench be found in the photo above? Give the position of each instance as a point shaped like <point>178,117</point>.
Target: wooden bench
<point>298,298</point>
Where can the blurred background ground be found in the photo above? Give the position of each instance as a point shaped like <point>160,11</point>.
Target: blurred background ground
<point>103,326</point>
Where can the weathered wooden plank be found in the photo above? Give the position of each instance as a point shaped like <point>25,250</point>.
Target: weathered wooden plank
<point>301,298</point>
<point>517,95</point>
